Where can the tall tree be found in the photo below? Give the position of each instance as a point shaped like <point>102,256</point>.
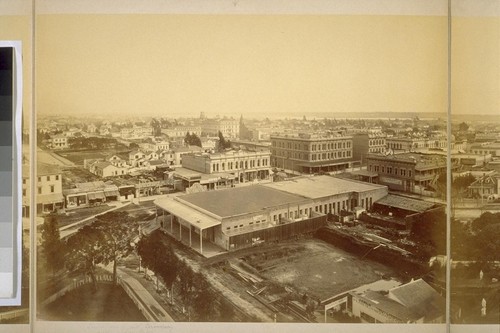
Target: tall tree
<point>104,241</point>
<point>156,125</point>
<point>159,258</point>
<point>223,143</point>
<point>52,246</point>
<point>117,229</point>
<point>86,250</point>
<point>192,139</point>
<point>463,126</point>
<point>202,299</point>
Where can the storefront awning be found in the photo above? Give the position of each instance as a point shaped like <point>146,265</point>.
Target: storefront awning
<point>47,199</point>
<point>112,193</point>
<point>96,196</point>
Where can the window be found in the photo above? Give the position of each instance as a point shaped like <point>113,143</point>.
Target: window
<point>24,192</point>
<point>39,190</point>
<point>39,179</point>
<point>51,188</point>
<point>24,181</point>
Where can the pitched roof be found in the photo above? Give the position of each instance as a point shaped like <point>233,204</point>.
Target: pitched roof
<point>102,165</point>
<point>420,298</point>
<point>405,203</point>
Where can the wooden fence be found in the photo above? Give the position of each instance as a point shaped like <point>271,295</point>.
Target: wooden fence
<point>103,278</point>
<point>279,232</point>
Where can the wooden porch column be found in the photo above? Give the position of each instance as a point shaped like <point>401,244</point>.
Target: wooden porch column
<point>201,241</point>
<point>180,231</point>
<point>190,243</point>
<point>172,224</point>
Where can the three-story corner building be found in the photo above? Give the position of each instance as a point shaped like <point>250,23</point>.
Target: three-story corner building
<point>408,172</point>
<point>311,153</point>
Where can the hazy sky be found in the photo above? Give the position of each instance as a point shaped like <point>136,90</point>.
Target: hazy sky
<point>91,60</point>
<point>476,64</point>
<point>240,64</point>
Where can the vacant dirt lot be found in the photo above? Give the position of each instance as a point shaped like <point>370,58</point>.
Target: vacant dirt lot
<point>315,267</point>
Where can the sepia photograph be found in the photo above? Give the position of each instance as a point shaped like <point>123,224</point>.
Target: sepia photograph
<point>241,165</point>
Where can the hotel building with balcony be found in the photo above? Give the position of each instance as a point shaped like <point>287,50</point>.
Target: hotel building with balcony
<point>311,153</point>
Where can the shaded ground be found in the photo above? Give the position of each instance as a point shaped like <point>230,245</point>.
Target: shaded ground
<point>317,268</point>
<point>108,303</point>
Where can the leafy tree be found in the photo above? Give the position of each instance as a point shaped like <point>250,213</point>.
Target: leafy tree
<point>463,127</point>
<point>133,145</point>
<point>461,183</point>
<point>192,139</point>
<point>104,241</point>
<point>156,125</point>
<point>202,299</point>
<point>486,219</point>
<point>52,245</point>
<point>223,143</point>
<point>186,280</point>
<point>159,259</point>
<point>86,250</point>
<point>117,229</point>
<point>167,268</point>
<point>487,242</point>
<point>430,230</point>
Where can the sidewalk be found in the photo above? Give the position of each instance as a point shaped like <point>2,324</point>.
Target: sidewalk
<point>155,311</point>
<point>148,302</point>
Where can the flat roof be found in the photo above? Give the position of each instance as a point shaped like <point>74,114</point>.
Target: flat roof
<point>194,217</point>
<point>186,173</point>
<point>322,186</point>
<point>405,203</point>
<point>240,200</point>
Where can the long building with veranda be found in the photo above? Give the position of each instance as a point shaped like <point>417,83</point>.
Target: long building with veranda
<point>245,216</point>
